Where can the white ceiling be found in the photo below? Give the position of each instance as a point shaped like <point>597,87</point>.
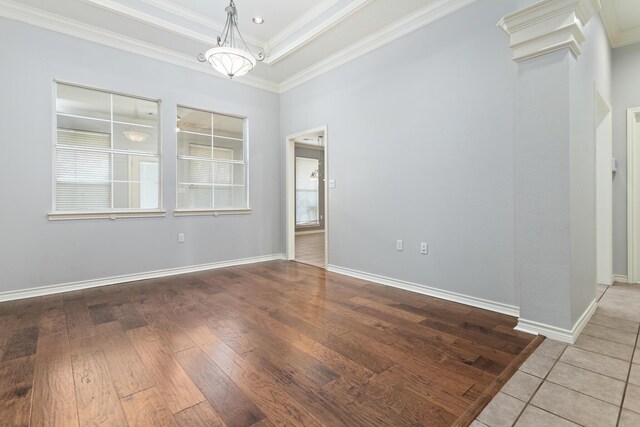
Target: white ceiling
<point>301,38</point>
<point>622,20</point>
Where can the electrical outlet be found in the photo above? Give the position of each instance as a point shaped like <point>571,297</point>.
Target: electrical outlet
<point>398,245</point>
<point>180,237</point>
<point>424,248</point>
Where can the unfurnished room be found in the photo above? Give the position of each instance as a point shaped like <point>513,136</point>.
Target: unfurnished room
<point>331,213</point>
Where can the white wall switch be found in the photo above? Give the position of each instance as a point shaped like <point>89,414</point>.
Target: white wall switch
<point>398,245</point>
<point>424,248</point>
<point>180,237</point>
<point>332,183</point>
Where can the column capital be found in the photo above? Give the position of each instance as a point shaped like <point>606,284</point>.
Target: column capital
<point>547,26</point>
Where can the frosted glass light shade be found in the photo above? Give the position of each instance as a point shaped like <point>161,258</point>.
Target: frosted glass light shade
<point>230,61</point>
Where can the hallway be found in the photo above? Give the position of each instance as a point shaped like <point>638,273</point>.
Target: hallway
<point>310,249</point>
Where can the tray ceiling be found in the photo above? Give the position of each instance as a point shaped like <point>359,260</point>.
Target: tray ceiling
<point>301,38</point>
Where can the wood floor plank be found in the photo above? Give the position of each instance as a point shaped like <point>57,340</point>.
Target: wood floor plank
<point>335,361</point>
<point>79,322</point>
<point>127,370</point>
<point>16,386</point>
<point>233,406</point>
<point>270,349</point>
<point>394,311</point>
<point>345,347</point>
<point>147,408</point>
<point>7,329</point>
<point>96,397</point>
<point>101,313</point>
<point>54,399</point>
<point>267,391</point>
<point>200,415</point>
<point>53,321</point>
<point>447,396</point>
<point>22,342</point>
<point>173,383</point>
<point>168,332</point>
<point>128,316</point>
<point>276,343</point>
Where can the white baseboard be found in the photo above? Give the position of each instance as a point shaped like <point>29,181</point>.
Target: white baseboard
<point>620,278</point>
<point>510,310</point>
<point>555,333</point>
<point>85,284</point>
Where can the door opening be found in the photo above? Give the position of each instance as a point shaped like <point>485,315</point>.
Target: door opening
<point>633,201</point>
<point>307,231</point>
<point>604,192</point>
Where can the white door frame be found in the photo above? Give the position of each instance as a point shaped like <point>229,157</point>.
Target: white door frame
<point>632,120</point>
<point>604,190</point>
<point>290,191</point>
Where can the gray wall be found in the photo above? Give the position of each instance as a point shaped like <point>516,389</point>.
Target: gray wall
<point>420,143</point>
<point>543,201</point>
<point>592,72</point>
<point>36,252</point>
<point>626,94</point>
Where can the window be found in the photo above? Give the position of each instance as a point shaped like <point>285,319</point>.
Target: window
<point>307,194</point>
<point>107,156</point>
<point>212,167</point>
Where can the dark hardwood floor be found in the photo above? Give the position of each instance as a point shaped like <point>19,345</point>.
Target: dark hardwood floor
<point>277,343</point>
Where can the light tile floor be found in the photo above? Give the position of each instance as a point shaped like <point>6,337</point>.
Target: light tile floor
<point>595,382</point>
<point>310,249</point>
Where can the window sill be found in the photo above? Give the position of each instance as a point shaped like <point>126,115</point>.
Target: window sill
<point>211,212</point>
<point>62,216</point>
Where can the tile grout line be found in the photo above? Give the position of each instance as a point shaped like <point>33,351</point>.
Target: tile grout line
<point>528,402</point>
<point>589,370</point>
<point>626,385</point>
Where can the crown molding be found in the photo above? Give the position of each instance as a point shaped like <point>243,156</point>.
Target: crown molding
<point>214,25</point>
<point>419,19</point>
<point>617,37</point>
<point>547,26</point>
<point>145,18</point>
<point>13,10</point>
<point>277,54</point>
<point>299,23</point>
<point>185,13</point>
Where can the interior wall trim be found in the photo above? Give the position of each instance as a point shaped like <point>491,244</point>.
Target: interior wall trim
<point>485,304</point>
<point>547,26</point>
<point>620,278</point>
<point>94,283</point>
<point>433,12</point>
<point>280,48</point>
<point>19,12</point>
<point>12,9</point>
<point>568,336</point>
<point>617,36</point>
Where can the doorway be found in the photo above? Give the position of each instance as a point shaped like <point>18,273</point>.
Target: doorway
<point>307,231</point>
<point>604,192</point>
<point>633,201</point>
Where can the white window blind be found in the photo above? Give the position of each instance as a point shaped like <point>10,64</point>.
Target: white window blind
<point>107,152</point>
<point>83,178</point>
<point>211,161</point>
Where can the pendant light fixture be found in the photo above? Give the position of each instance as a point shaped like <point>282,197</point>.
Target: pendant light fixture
<point>231,57</point>
<point>135,136</point>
